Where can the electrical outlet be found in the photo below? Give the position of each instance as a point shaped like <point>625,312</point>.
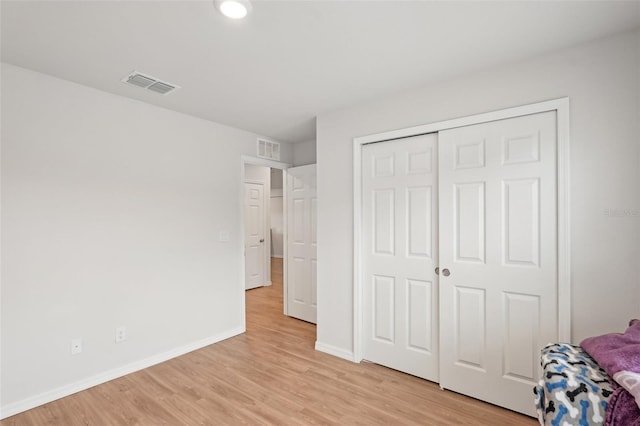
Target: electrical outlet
<point>121,334</point>
<point>76,346</point>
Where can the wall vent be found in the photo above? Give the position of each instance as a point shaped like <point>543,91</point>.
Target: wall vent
<point>150,83</point>
<point>268,149</point>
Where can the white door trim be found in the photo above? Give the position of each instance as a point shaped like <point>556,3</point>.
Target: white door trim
<point>561,106</point>
<point>247,159</point>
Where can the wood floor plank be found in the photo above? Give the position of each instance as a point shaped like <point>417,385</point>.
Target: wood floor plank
<point>271,375</point>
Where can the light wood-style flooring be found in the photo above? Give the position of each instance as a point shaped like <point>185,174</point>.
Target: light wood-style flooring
<point>271,375</point>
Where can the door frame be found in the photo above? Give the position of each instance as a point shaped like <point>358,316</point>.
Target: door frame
<point>244,160</point>
<point>561,107</point>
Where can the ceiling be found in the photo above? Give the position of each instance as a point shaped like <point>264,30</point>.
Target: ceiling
<point>289,61</point>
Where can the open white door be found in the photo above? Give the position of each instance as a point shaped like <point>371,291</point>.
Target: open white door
<point>301,243</point>
<point>498,257</point>
<point>399,255</point>
<point>254,246</point>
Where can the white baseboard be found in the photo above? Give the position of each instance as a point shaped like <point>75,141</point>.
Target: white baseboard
<point>268,283</point>
<point>335,351</point>
<point>89,382</point>
<point>278,256</point>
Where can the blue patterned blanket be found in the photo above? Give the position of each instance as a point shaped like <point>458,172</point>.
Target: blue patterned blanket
<point>573,390</point>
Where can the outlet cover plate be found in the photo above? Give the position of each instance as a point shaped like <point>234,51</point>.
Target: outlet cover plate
<point>121,334</point>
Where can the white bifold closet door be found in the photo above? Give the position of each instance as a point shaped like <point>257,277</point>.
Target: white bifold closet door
<point>480,203</point>
<point>399,255</point>
<point>302,243</point>
<point>498,243</point>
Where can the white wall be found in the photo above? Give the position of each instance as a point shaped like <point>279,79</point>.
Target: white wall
<point>277,224</point>
<point>111,210</point>
<point>253,173</point>
<point>277,215</point>
<point>304,153</point>
<point>602,81</point>
<point>276,179</point>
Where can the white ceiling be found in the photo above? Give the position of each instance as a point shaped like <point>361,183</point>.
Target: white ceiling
<point>273,72</point>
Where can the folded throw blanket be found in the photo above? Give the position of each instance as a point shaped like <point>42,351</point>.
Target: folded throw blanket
<point>619,355</point>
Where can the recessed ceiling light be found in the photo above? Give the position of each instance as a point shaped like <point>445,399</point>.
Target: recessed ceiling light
<point>234,9</point>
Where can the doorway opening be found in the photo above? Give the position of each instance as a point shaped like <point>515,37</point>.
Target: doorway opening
<point>263,224</point>
<point>278,266</point>
<point>263,250</point>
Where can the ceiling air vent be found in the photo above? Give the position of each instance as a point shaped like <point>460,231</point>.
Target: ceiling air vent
<point>268,149</point>
<point>149,83</point>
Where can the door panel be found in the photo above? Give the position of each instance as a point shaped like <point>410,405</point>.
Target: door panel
<point>470,224</point>
<point>301,297</point>
<point>522,221</point>
<point>418,307</point>
<point>498,239</point>
<point>470,332</point>
<point>519,351</point>
<point>254,235</point>
<point>384,312</point>
<point>383,216</point>
<point>420,230</point>
<point>399,255</point>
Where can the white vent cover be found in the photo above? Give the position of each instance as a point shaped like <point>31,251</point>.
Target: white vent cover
<point>268,149</point>
<point>149,83</point>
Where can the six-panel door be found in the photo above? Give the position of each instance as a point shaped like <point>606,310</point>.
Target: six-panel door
<point>399,255</point>
<point>498,239</point>
<point>254,235</point>
<point>302,248</point>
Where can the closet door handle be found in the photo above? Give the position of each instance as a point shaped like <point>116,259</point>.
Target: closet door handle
<point>437,270</point>
<point>262,240</point>
<point>446,272</point>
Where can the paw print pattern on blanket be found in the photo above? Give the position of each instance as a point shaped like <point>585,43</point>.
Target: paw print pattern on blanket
<point>574,390</point>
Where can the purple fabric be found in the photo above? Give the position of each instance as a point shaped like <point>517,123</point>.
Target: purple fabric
<point>622,410</point>
<point>616,351</point>
<point>619,355</point>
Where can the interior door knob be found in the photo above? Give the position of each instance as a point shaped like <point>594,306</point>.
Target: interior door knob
<point>446,272</point>
<point>262,240</point>
<point>437,270</point>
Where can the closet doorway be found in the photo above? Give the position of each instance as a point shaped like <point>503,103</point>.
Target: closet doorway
<point>461,263</point>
